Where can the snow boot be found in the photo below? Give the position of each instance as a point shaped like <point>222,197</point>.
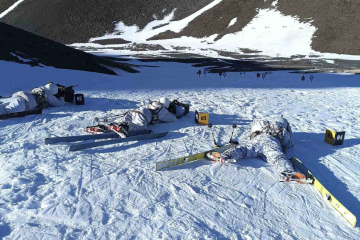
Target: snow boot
<point>288,176</point>
<point>119,129</point>
<point>98,129</point>
<point>215,156</point>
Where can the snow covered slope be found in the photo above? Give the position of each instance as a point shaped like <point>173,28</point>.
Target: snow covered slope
<point>287,27</point>
<point>113,192</point>
<point>279,34</point>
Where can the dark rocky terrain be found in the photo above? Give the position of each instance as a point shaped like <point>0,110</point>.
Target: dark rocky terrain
<point>5,4</point>
<point>23,47</point>
<point>68,21</point>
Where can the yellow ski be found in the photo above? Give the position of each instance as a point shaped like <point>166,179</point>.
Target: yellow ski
<point>328,196</point>
<point>188,159</point>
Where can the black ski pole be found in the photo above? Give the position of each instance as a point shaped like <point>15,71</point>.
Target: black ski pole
<point>212,132</point>
<point>231,141</point>
<point>107,119</point>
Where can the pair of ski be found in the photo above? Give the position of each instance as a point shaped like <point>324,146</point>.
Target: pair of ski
<point>114,139</point>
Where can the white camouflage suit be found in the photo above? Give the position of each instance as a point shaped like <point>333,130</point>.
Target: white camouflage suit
<point>268,141</point>
<point>153,113</point>
<point>23,101</point>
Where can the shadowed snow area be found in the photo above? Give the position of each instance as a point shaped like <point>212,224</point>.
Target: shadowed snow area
<point>114,192</point>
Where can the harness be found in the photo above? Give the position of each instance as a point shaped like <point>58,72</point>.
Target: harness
<point>40,98</point>
<point>154,115</point>
<point>268,129</point>
<point>135,111</point>
<point>279,134</point>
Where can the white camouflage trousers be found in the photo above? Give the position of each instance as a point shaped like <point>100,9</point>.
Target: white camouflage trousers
<point>265,147</point>
<point>135,121</point>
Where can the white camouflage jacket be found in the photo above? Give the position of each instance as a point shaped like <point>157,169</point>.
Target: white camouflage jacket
<point>48,97</point>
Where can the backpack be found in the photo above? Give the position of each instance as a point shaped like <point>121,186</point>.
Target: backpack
<point>67,92</point>
<point>175,103</point>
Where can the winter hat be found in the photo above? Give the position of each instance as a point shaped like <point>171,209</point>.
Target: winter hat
<point>53,88</point>
<point>165,102</point>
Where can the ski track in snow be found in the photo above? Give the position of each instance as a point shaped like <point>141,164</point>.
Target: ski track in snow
<point>114,192</point>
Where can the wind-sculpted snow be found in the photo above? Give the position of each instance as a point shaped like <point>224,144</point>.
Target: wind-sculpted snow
<point>113,192</point>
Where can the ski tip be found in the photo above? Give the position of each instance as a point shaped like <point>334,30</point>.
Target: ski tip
<point>73,148</point>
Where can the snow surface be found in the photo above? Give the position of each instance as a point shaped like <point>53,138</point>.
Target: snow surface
<point>232,22</point>
<point>113,192</point>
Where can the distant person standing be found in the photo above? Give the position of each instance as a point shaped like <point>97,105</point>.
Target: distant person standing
<point>258,75</point>
<point>311,77</point>
<point>199,73</point>
<point>303,78</point>
<point>220,74</point>
<point>224,74</point>
<point>205,72</point>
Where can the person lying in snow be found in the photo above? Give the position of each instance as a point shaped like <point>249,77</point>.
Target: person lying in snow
<point>161,111</point>
<point>41,97</point>
<point>268,141</point>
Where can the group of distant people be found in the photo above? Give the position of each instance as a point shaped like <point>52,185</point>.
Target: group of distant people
<point>311,78</point>
<point>258,75</point>
<point>206,70</point>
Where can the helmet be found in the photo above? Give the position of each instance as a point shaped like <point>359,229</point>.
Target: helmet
<point>165,102</point>
<point>53,88</point>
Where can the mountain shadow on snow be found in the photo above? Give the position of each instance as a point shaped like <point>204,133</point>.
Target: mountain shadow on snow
<point>17,45</point>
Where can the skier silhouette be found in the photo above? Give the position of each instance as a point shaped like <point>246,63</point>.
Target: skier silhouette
<point>199,73</point>
<point>224,74</point>
<point>205,72</point>
<point>303,78</point>
<point>220,74</point>
<point>258,75</point>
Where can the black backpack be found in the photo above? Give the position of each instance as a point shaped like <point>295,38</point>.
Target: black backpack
<point>67,92</point>
<point>174,104</point>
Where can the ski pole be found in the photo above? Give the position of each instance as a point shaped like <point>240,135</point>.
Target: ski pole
<point>111,118</point>
<point>212,132</point>
<point>231,141</point>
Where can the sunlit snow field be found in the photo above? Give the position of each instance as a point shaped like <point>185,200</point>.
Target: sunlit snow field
<point>113,192</point>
